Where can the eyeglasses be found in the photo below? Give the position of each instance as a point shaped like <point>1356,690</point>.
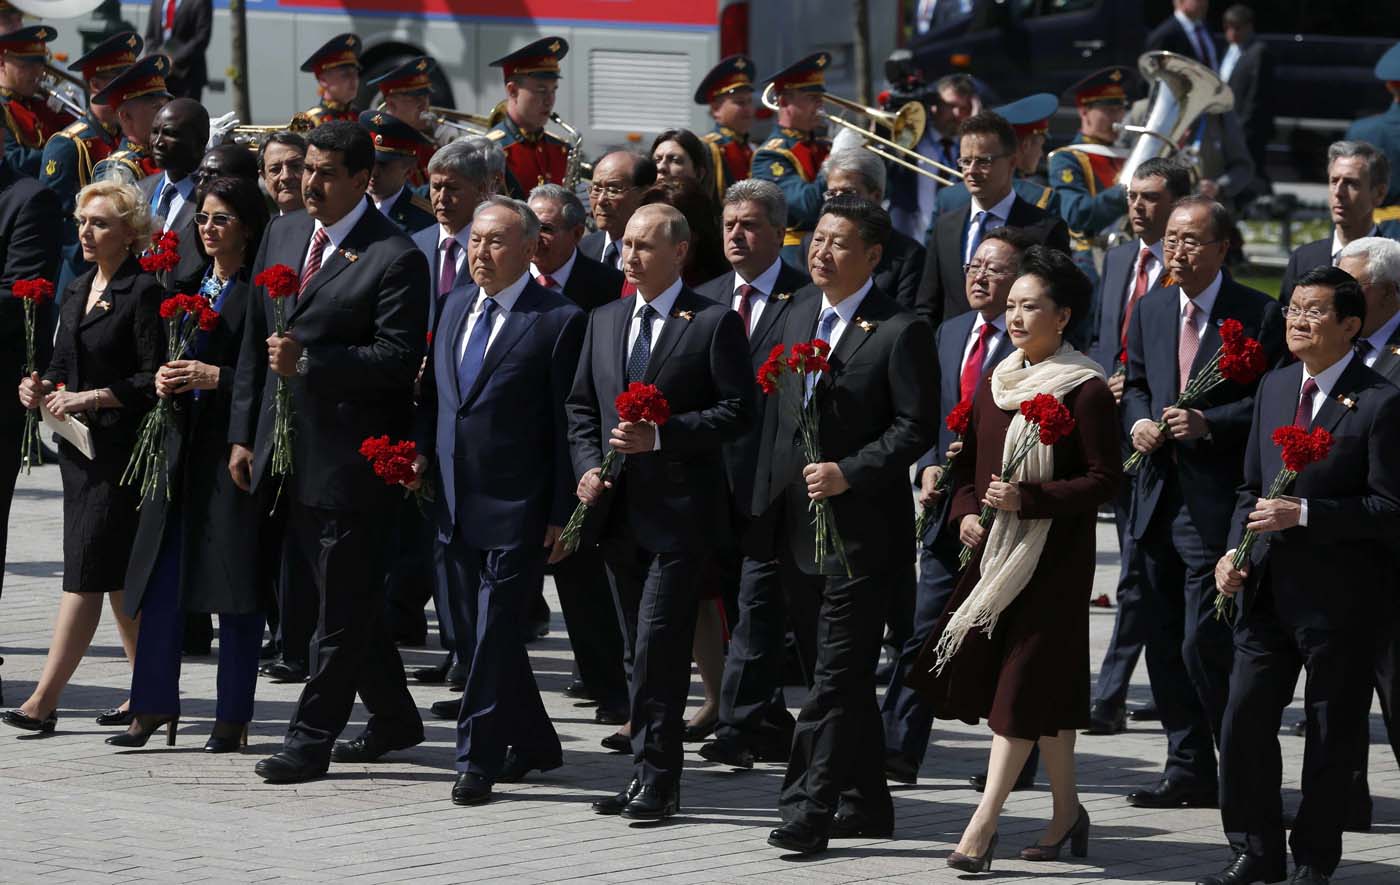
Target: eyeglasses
<point>980,162</point>
<point>220,219</point>
<point>611,191</point>
<point>838,192</point>
<point>1188,245</point>
<point>1312,314</point>
<point>977,269</point>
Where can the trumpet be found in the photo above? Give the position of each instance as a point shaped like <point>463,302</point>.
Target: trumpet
<point>254,136</point>
<point>57,89</point>
<point>906,127</point>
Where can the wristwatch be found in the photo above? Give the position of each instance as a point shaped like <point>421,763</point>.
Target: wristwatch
<point>303,362</point>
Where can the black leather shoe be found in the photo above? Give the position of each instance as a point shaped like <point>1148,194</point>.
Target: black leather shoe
<point>284,671</point>
<point>1174,794</point>
<point>115,716</point>
<point>728,753</point>
<point>798,838</point>
<point>610,716</point>
<point>448,709</point>
<point>457,675</point>
<point>1244,869</point>
<point>1024,781</point>
<point>653,803</point>
<point>1306,875</point>
<point>615,803</point>
<point>901,770</point>
<point>516,766</point>
<point>471,789</point>
<point>618,743</point>
<point>1145,714</point>
<point>1103,720</point>
<point>227,737</point>
<point>857,826</point>
<point>368,747</point>
<point>434,675</point>
<point>580,690</point>
<point>289,768</point>
<point>21,720</point>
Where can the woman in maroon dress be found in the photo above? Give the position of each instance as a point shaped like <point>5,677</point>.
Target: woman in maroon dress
<point>1013,645</point>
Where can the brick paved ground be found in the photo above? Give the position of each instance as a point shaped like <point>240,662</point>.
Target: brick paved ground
<point>76,810</point>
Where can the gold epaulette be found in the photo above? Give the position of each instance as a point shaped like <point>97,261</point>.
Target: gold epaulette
<point>1386,213</point>
<point>496,134</point>
<point>74,129</point>
<point>421,202</point>
<point>711,137</point>
<point>774,144</point>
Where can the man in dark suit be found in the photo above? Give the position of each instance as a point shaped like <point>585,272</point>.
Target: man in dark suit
<point>178,136</point>
<point>1186,33</point>
<point>31,234</point>
<point>181,30</point>
<point>614,193</point>
<point>1309,592</point>
<point>491,421</point>
<point>353,348</point>
<point>857,172</point>
<point>595,634</point>
<point>1248,70</point>
<point>659,516</point>
<point>875,415</point>
<point>1130,270</point>
<point>969,346</point>
<point>1183,500</point>
<point>986,157</point>
<point>1357,176</point>
<point>754,722</point>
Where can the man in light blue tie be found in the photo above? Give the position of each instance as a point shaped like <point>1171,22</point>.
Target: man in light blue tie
<point>178,135</point>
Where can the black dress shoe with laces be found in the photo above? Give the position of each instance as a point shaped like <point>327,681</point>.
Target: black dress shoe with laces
<point>434,675</point>
<point>285,671</point>
<point>368,747</point>
<point>1103,720</point>
<point>517,765</point>
<point>1174,794</point>
<point>289,768</point>
<point>729,753</point>
<point>858,826</point>
<point>615,803</point>
<point>448,709</point>
<point>1244,869</point>
<point>457,675</point>
<point>798,838</point>
<point>1306,875</point>
<point>471,789</point>
<point>653,803</point>
<point>23,721</point>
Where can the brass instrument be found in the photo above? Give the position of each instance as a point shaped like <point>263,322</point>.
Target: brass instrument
<point>906,127</point>
<point>254,136</point>
<point>58,86</point>
<point>573,164</point>
<point>468,124</point>
<point>1183,90</point>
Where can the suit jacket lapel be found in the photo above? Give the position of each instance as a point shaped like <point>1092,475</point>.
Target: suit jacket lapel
<point>458,329</point>
<point>517,323</point>
<point>1388,362</point>
<point>672,328</point>
<point>856,333</point>
<point>105,305</point>
<point>1210,338</point>
<point>1346,390</point>
<point>354,243</point>
<point>1164,345</point>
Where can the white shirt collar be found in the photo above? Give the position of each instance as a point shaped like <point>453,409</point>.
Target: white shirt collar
<point>999,324</point>
<point>765,281</point>
<point>559,274</point>
<point>184,187</point>
<point>1205,301</point>
<point>1155,249</point>
<point>1327,378</point>
<point>849,306</point>
<point>1001,210</point>
<point>1381,337</point>
<point>341,229</point>
<point>1338,245</point>
<point>663,303</point>
<point>462,237</point>
<point>1186,22</point>
<point>387,204</point>
<point>506,298</point>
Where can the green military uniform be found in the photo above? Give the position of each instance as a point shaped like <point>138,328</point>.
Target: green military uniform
<point>411,212</point>
<point>130,163</point>
<point>66,167</point>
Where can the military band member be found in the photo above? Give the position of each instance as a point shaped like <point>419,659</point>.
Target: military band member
<point>408,95</point>
<point>396,147</point>
<point>336,67</point>
<point>533,156</point>
<point>1030,119</point>
<point>29,121</point>
<point>792,158</point>
<point>11,19</point>
<point>135,95</point>
<point>1383,131</point>
<point>1085,173</point>
<point>728,90</point>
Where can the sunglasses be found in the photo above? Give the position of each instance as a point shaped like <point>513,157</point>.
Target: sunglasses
<point>220,219</point>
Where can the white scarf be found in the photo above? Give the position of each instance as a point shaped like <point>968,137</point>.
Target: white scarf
<point>1014,544</point>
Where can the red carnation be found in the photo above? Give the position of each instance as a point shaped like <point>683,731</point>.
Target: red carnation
<point>770,372</point>
<point>1301,448</point>
<point>35,290</point>
<point>279,280</point>
<point>391,461</point>
<point>958,418</point>
<point>642,402</point>
<point>208,319</point>
<point>163,254</point>
<point>1053,421</point>
<point>1231,333</point>
<point>430,337</point>
<point>1245,363</point>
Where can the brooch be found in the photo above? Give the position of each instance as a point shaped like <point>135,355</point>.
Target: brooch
<point>350,256</point>
<point>865,325</point>
<point>1394,349</point>
<point>1346,401</point>
<point>783,296</point>
<point>686,315</point>
<point>102,305</point>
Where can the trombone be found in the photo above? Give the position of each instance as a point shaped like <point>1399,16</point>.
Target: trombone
<point>254,136</point>
<point>906,127</point>
<point>467,124</point>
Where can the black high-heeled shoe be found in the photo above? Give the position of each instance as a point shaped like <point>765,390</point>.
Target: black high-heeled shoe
<point>227,737</point>
<point>22,720</point>
<point>1077,837</point>
<point>116,716</point>
<point>142,734</point>
<point>974,864</point>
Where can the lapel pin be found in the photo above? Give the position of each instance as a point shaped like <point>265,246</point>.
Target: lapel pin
<point>1346,401</point>
<point>102,305</point>
<point>783,296</point>
<point>1394,349</point>
<point>686,315</point>
<point>865,325</point>
<point>349,255</point>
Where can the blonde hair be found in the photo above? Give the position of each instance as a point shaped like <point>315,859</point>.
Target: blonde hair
<point>130,204</point>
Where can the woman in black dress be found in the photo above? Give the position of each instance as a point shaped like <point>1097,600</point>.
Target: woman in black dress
<point>108,347</point>
<point>198,551</point>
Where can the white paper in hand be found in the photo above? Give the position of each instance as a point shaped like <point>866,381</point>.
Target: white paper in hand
<point>71,429</point>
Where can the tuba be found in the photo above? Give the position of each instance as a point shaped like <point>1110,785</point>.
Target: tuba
<point>1183,90</point>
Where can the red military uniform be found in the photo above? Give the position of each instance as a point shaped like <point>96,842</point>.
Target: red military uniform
<point>539,157</point>
<point>731,154</point>
<point>342,50</point>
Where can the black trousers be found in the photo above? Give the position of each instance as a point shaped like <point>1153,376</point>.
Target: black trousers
<point>490,592</point>
<point>657,595</point>
<point>344,553</point>
<point>298,605</point>
<point>1129,622</point>
<point>1337,692</point>
<point>835,762</point>
<point>591,620</point>
<point>1188,648</point>
<point>409,583</point>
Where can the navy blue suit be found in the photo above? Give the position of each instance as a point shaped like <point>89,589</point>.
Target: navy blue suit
<point>1181,516</point>
<point>502,470</point>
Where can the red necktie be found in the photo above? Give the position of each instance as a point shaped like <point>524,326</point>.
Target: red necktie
<point>745,292</point>
<point>1304,414</point>
<point>447,276</point>
<point>1139,290</point>
<point>547,281</point>
<point>170,15</point>
<point>972,368</point>
<point>1187,345</point>
<point>313,260</point>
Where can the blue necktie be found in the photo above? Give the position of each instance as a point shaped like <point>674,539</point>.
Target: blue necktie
<point>166,199</point>
<point>641,348</point>
<point>824,329</point>
<point>475,353</point>
<point>610,255</point>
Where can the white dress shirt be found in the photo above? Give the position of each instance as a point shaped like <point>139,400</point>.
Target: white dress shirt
<point>845,312</point>
<point>1154,272</point>
<point>560,275</point>
<point>1204,301</point>
<point>1326,382</point>
<point>992,343</point>
<point>386,205</point>
<point>763,287</point>
<point>505,303</point>
<point>996,217</point>
<point>184,192</point>
<point>1337,244</point>
<point>337,232</point>
<point>1232,58</point>
<point>663,304</point>
<point>1380,338</point>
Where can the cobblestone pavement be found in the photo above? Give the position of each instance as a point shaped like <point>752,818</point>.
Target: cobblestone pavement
<point>76,810</point>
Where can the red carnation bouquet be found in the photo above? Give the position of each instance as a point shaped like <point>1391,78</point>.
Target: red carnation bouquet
<point>1300,449</point>
<point>639,402</point>
<point>1239,359</point>
<point>164,253</point>
<point>185,316</point>
<point>393,463</point>
<point>281,283</point>
<point>957,422</point>
<point>802,365</point>
<point>31,293</point>
<point>1047,422</point>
